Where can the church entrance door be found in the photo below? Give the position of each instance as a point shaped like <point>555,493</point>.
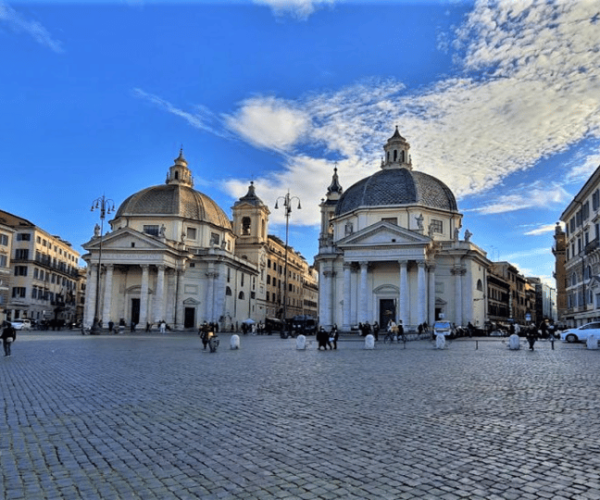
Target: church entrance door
<point>190,317</point>
<point>387,312</point>
<point>135,311</point>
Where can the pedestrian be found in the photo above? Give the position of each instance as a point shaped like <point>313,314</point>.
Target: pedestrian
<point>531,336</point>
<point>163,326</point>
<point>335,335</point>
<point>322,338</point>
<point>376,330</point>
<point>400,331</point>
<point>111,325</point>
<point>9,335</point>
<point>203,332</point>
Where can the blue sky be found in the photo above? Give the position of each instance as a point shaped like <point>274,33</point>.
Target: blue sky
<point>498,99</point>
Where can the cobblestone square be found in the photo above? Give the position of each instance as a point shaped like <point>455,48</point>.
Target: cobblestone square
<point>153,416</point>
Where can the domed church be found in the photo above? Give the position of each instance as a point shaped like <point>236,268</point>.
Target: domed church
<point>170,255</point>
<point>390,249</point>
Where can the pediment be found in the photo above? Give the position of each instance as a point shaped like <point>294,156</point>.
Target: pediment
<point>383,234</point>
<point>126,239</point>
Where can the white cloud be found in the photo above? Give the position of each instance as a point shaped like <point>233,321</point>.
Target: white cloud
<point>301,9</point>
<point>17,23</point>
<point>530,89</point>
<point>543,229</point>
<point>536,195</point>
<point>201,118</point>
<point>269,123</point>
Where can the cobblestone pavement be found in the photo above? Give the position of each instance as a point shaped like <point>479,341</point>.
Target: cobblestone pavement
<point>145,416</point>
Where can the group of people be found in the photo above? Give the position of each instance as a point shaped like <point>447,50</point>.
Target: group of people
<point>327,339</point>
<point>9,335</point>
<point>368,329</point>
<point>208,332</point>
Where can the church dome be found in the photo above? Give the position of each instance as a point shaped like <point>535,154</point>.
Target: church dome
<point>397,187</point>
<point>175,198</point>
<point>397,184</point>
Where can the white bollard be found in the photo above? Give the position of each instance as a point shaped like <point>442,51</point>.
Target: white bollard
<point>301,342</point>
<point>369,342</point>
<point>592,342</point>
<point>440,341</point>
<point>514,342</point>
<point>234,343</point>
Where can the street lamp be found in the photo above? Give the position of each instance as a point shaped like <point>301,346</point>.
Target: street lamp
<point>287,205</point>
<point>106,206</point>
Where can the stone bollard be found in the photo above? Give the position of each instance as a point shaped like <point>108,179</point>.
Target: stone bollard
<point>300,342</point>
<point>440,341</point>
<point>369,342</point>
<point>592,342</point>
<point>514,343</point>
<point>234,343</point>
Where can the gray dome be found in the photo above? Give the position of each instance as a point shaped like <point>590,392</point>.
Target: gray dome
<point>174,200</point>
<point>397,186</point>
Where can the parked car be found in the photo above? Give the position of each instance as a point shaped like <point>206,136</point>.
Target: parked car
<point>21,324</point>
<point>443,328</point>
<point>582,333</point>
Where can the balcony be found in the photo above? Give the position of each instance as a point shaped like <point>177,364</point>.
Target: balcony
<point>591,246</point>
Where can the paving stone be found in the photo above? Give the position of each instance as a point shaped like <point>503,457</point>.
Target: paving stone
<point>155,417</point>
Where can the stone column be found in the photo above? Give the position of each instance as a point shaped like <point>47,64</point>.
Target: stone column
<point>210,295</point>
<point>467,310</point>
<point>404,293</point>
<point>159,300</point>
<point>179,277</point>
<point>219,292</point>
<point>90,295</point>
<point>144,295</point>
<point>346,321</point>
<point>106,309</point>
<point>362,306</point>
<point>458,300</point>
<point>421,293</point>
<point>431,316</point>
<point>322,295</point>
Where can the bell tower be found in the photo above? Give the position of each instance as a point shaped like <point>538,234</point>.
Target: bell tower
<point>334,191</point>
<point>250,219</point>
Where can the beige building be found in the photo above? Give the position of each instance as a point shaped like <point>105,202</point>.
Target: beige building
<point>44,272</point>
<point>173,254</point>
<point>6,237</point>
<point>390,249</point>
<point>581,255</point>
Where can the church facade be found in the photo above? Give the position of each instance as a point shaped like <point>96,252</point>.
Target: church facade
<point>390,249</point>
<point>173,254</point>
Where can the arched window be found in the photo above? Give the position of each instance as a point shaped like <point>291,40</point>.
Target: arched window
<point>246,225</point>
<point>228,292</point>
<point>402,156</point>
<point>395,154</point>
<point>241,296</point>
<point>479,285</point>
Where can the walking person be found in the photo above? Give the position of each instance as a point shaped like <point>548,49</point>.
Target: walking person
<point>322,339</point>
<point>9,335</point>
<point>531,336</point>
<point>335,335</point>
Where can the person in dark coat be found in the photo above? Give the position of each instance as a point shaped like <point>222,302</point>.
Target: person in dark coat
<point>531,336</point>
<point>9,335</point>
<point>335,335</point>
<point>322,339</point>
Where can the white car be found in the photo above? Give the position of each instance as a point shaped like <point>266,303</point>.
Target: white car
<point>443,328</point>
<point>21,324</point>
<point>582,333</point>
